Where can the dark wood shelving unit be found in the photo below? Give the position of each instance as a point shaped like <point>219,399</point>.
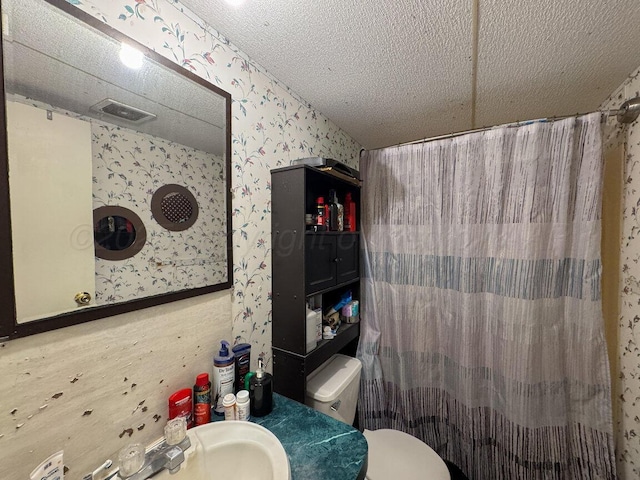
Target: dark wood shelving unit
<point>306,264</point>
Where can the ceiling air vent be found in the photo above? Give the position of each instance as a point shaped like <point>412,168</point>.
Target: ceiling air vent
<point>122,111</point>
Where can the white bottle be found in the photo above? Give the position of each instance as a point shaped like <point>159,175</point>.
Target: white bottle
<point>311,329</point>
<point>242,405</point>
<point>318,313</point>
<point>223,377</point>
<point>229,404</point>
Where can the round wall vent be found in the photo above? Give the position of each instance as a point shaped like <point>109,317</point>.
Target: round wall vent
<point>174,207</point>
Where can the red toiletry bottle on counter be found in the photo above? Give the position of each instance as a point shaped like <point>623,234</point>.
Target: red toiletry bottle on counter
<point>202,399</point>
<point>181,405</point>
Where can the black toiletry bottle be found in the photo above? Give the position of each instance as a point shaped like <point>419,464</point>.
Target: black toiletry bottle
<point>242,354</point>
<point>261,392</point>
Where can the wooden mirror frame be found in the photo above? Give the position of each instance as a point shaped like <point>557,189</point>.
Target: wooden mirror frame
<point>9,328</point>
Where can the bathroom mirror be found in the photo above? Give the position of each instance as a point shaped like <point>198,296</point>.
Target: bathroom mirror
<point>114,173</point>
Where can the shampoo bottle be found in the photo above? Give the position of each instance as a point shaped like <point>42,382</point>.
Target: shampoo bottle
<point>223,376</point>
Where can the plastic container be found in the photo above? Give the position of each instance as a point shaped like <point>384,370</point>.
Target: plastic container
<point>333,388</point>
<point>328,334</point>
<point>261,392</point>
<point>311,330</point>
<point>243,405</point>
<point>242,360</point>
<point>181,405</point>
<point>315,304</point>
<point>202,399</point>
<point>318,313</point>
<point>350,313</point>
<point>223,376</point>
<point>229,405</point>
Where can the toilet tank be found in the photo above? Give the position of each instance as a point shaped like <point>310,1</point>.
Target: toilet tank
<point>333,388</point>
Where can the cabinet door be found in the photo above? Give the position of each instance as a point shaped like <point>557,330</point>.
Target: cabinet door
<point>320,262</point>
<point>348,257</point>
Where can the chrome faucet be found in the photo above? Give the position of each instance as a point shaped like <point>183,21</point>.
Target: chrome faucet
<point>160,457</point>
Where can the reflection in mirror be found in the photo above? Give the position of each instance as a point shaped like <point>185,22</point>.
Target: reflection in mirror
<point>114,233</point>
<point>118,233</point>
<point>85,132</point>
<point>174,207</point>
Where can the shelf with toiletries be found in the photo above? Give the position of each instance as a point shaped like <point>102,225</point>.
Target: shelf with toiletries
<point>331,204</point>
<point>346,333</point>
<point>316,261</point>
<point>336,234</point>
<point>329,312</point>
<point>291,370</point>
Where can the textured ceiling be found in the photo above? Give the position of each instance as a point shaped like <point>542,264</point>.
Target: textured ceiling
<point>390,71</point>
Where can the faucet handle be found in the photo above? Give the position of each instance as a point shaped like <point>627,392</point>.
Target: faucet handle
<point>131,459</point>
<point>175,430</point>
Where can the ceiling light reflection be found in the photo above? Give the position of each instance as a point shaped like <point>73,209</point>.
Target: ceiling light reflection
<point>131,57</point>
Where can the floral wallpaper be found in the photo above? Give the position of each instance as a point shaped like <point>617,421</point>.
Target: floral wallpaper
<point>271,126</point>
<point>628,386</point>
<point>128,167</point>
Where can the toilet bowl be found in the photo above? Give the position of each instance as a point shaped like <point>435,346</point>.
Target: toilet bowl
<point>333,389</point>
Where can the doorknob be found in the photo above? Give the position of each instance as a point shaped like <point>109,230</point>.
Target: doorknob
<point>82,298</point>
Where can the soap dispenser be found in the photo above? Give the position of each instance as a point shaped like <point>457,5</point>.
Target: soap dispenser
<point>261,392</point>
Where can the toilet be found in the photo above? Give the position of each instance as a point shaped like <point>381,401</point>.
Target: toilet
<point>333,389</point>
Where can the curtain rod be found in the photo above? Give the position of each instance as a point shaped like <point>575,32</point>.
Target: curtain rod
<point>627,113</point>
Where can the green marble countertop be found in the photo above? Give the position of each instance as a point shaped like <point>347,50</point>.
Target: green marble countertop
<point>318,446</point>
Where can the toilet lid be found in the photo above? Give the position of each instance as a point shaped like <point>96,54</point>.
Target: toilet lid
<point>395,454</point>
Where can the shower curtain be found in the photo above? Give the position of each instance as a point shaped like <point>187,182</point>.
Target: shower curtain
<point>482,329</point>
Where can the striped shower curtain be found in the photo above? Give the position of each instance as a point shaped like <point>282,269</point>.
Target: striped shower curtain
<point>482,331</point>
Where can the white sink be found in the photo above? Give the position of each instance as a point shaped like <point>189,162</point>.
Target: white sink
<point>234,450</point>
